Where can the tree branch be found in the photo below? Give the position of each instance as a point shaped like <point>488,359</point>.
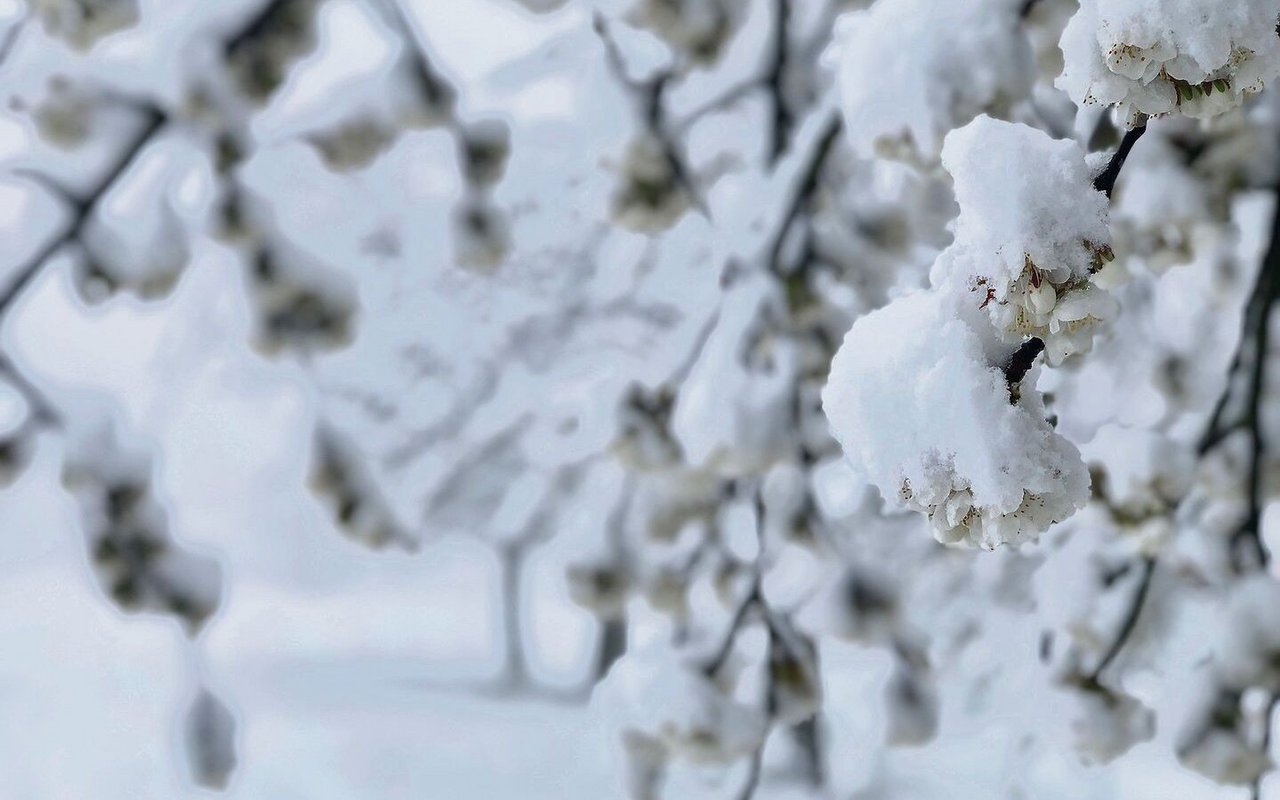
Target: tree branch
<point>1130,618</point>
<point>1106,181</point>
<point>1020,364</point>
<point>1252,348</point>
<point>805,187</point>
<point>83,208</point>
<point>782,120</point>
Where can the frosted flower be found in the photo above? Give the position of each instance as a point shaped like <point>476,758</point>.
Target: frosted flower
<point>300,304</point>
<point>664,697</point>
<point>1194,57</point>
<point>912,70</point>
<point>919,401</point>
<point>1109,724</point>
<point>65,115</point>
<point>485,146</point>
<point>134,557</point>
<point>81,23</point>
<point>353,144</point>
<point>911,708</point>
<point>858,604</point>
<point>599,584</point>
<point>146,256</point>
<point>261,60</point>
<point>1147,473</point>
<point>481,235</point>
<point>649,197</point>
<point>1224,755</point>
<point>1161,208</point>
<point>698,28</point>
<point>1247,650</point>
<point>340,480</point>
<point>1031,234</point>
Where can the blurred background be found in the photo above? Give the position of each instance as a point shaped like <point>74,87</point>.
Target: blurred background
<point>375,373</point>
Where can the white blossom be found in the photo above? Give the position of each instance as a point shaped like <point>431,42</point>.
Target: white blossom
<point>1193,57</point>
<point>83,22</point>
<point>662,694</point>
<point>1247,649</point>
<point>919,401</point>
<point>1109,724</point>
<point>1031,234</point>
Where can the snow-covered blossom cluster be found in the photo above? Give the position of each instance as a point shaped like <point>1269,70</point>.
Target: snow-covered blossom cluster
<point>137,562</point>
<point>919,399</point>
<point>1031,235</point>
<point>667,707</point>
<point>1153,57</point>
<point>921,395</point>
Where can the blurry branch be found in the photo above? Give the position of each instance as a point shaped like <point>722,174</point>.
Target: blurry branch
<point>782,121</point>
<point>752,600</point>
<point>753,769</point>
<point>648,94</point>
<point>803,189</point>
<point>83,207</point>
<point>1130,618</point>
<point>1253,348</point>
<point>11,36</point>
<point>1255,790</point>
<point>42,409</point>
<point>81,210</point>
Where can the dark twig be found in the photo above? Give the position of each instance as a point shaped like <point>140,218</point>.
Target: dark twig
<point>1020,364</point>
<point>83,207</point>
<point>1253,350</point>
<point>1130,618</point>
<point>804,189</point>
<point>43,411</point>
<point>649,95</point>
<point>753,775</point>
<point>1106,182</point>
<point>775,74</point>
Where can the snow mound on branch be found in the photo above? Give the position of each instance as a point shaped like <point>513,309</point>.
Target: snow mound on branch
<point>919,401</point>
<point>1194,57</point>
<point>1247,651</point>
<point>663,706</point>
<point>912,70</point>
<point>1031,234</point>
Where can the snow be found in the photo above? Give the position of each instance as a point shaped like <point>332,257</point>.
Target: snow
<point>912,70</point>
<point>1031,234</point>
<point>918,400</point>
<point>1153,57</point>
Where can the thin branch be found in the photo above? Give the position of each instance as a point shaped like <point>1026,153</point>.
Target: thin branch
<point>1106,181</point>
<point>782,120</point>
<point>1254,343</point>
<point>1265,744</point>
<point>753,775</point>
<point>1020,364</point>
<point>83,208</point>
<point>805,187</point>
<point>11,36</point>
<point>1130,621</point>
<point>649,95</point>
<point>43,411</point>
